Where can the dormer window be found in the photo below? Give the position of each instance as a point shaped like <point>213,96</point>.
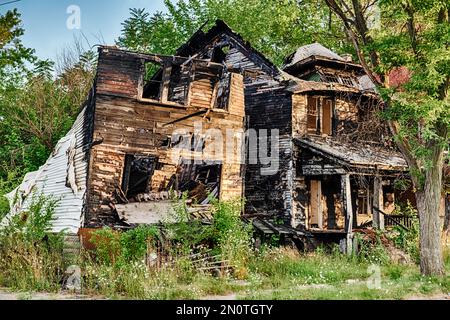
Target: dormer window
<point>320,115</point>
<point>346,80</point>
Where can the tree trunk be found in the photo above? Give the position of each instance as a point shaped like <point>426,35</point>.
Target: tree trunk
<point>446,231</point>
<point>428,203</point>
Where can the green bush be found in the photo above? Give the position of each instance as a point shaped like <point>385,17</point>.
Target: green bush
<point>134,243</point>
<point>31,257</point>
<point>231,235</point>
<point>120,248</point>
<point>107,245</point>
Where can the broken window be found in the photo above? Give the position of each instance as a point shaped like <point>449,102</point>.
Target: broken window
<point>223,91</point>
<point>165,81</point>
<point>327,77</point>
<point>363,201</point>
<point>219,54</point>
<point>313,114</point>
<point>320,115</point>
<point>348,81</point>
<point>152,80</point>
<point>178,85</point>
<point>137,174</point>
<point>200,181</point>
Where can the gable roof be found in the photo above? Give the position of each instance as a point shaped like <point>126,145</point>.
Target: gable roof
<point>200,40</point>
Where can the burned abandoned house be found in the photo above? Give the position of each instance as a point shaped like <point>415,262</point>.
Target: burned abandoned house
<point>120,165</point>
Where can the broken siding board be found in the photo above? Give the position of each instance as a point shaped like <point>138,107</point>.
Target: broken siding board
<point>126,125</point>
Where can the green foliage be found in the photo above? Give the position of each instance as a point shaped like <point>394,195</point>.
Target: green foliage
<point>412,43</point>
<point>114,248</point>
<point>408,240</point>
<point>36,107</point>
<point>134,243</point>
<point>30,255</point>
<point>276,28</point>
<point>13,54</point>
<point>372,251</point>
<point>232,236</point>
<point>107,245</point>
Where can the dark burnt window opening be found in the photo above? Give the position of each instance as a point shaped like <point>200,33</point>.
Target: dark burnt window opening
<point>153,73</point>
<point>223,91</point>
<point>178,85</point>
<point>328,77</point>
<point>347,81</point>
<point>137,174</point>
<point>363,201</point>
<point>219,54</point>
<point>200,181</point>
<point>165,82</point>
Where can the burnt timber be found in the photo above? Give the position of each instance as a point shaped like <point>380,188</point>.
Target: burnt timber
<point>336,169</point>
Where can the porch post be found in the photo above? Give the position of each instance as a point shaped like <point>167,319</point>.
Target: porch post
<point>378,218</point>
<point>348,209</point>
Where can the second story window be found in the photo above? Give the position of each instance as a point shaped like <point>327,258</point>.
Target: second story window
<point>152,81</point>
<point>165,82</point>
<point>320,115</point>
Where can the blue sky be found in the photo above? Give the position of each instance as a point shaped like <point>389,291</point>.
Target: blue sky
<point>46,28</point>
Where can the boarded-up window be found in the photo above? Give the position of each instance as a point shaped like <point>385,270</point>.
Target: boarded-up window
<point>315,212</point>
<point>327,116</point>
<point>313,114</point>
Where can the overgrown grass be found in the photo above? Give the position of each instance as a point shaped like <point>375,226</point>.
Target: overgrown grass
<point>31,259</point>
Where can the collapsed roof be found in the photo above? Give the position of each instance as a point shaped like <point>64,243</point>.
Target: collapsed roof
<point>351,155</point>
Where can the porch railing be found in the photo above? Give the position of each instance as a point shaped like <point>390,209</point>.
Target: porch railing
<point>392,220</point>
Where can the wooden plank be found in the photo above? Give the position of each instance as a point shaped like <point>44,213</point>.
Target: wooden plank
<point>378,202</point>
<point>347,200</point>
<point>316,204</point>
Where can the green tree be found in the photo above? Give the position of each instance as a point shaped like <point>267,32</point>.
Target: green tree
<point>276,28</point>
<point>37,107</point>
<point>404,48</point>
<point>13,54</point>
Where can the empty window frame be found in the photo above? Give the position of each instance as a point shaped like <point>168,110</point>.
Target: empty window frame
<point>137,174</point>
<point>348,81</point>
<point>363,201</point>
<point>153,73</point>
<point>165,82</point>
<point>327,77</point>
<point>223,91</point>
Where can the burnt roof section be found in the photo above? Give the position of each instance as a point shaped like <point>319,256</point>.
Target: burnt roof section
<point>316,54</point>
<point>352,155</point>
<point>201,39</point>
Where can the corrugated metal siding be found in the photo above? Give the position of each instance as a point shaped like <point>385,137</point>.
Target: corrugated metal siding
<point>51,178</point>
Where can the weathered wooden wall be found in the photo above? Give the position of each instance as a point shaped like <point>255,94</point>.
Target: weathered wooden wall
<point>123,124</point>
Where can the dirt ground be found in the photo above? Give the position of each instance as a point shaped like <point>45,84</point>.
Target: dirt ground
<point>8,295</point>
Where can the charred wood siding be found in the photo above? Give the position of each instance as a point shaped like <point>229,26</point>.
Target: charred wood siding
<point>123,124</point>
<point>268,106</point>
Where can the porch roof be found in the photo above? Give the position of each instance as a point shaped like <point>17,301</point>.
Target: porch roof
<point>354,155</point>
